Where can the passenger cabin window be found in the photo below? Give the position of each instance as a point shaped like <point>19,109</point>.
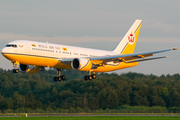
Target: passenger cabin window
<point>11,45</point>
<point>83,54</point>
<point>75,53</point>
<point>66,52</point>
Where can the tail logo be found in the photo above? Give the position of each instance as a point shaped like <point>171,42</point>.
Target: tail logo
<point>131,38</point>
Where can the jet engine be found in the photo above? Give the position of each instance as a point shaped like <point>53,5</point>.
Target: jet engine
<point>81,64</point>
<point>30,68</point>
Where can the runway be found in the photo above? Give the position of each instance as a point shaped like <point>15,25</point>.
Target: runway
<point>78,115</point>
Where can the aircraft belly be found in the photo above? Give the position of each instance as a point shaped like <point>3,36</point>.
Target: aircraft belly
<point>108,68</point>
<point>63,66</point>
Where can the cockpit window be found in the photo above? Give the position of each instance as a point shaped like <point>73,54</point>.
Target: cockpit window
<point>8,45</point>
<point>11,45</point>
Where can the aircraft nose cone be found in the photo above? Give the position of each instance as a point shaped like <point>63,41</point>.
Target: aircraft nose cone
<point>4,50</point>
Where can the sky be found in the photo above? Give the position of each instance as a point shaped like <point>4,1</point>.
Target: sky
<point>99,24</point>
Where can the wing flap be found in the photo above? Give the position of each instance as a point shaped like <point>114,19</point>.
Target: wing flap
<point>137,57</point>
<point>140,60</point>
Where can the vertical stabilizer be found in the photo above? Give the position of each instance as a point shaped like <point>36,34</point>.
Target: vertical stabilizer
<point>128,43</point>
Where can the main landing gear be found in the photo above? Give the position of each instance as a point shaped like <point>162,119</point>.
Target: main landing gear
<point>60,77</point>
<point>15,70</point>
<point>90,77</point>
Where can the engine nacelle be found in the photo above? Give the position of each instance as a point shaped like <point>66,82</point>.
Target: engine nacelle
<point>81,64</point>
<point>29,68</point>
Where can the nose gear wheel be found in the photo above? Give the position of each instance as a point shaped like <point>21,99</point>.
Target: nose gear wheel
<point>15,70</point>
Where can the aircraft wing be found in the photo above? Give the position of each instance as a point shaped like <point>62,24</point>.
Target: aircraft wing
<point>135,57</point>
<point>127,58</point>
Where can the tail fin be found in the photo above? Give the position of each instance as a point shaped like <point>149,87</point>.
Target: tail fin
<point>128,43</point>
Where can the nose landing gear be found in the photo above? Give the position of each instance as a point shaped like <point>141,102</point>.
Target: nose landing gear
<point>15,70</point>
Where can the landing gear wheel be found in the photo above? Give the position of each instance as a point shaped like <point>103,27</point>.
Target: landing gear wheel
<point>55,79</point>
<point>59,79</point>
<point>63,77</point>
<point>86,78</point>
<point>90,77</point>
<point>94,76</point>
<point>15,70</point>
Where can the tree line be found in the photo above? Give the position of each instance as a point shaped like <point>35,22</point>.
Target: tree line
<point>108,91</point>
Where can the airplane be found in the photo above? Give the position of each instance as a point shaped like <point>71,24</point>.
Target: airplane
<point>32,56</point>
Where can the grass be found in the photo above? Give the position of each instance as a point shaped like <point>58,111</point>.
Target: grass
<point>95,118</point>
